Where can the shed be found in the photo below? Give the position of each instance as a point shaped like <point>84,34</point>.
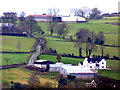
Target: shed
<point>42,63</point>
<point>56,67</point>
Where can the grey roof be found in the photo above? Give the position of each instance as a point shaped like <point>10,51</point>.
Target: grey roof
<point>94,60</point>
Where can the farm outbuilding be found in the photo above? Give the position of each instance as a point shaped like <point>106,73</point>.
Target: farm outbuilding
<point>47,18</point>
<point>42,63</point>
<point>73,19</point>
<point>56,67</point>
<point>78,72</point>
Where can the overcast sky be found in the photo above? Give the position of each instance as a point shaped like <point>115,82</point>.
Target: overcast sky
<point>40,6</point>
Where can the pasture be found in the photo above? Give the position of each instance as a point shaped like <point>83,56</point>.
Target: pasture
<point>63,46</point>
<point>65,60</point>
<point>9,43</point>
<point>115,70</point>
<point>13,58</point>
<point>21,75</point>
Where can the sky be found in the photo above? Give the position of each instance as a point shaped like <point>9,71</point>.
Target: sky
<point>31,7</point>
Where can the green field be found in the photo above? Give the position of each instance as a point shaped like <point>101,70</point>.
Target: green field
<point>9,43</point>
<point>13,58</point>
<point>115,70</point>
<point>69,47</point>
<point>21,75</point>
<point>65,60</point>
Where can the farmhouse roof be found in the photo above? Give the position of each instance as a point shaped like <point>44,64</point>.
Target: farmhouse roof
<point>93,60</point>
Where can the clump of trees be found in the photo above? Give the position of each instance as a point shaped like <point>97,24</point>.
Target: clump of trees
<point>90,40</point>
<point>85,11</point>
<point>20,25</point>
<point>61,29</point>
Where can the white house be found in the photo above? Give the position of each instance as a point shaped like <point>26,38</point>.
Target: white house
<point>78,72</point>
<point>93,63</point>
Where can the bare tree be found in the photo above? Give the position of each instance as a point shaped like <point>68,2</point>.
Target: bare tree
<point>18,45</point>
<point>53,11</point>
<point>7,60</point>
<point>88,37</point>
<point>61,29</point>
<point>82,12</point>
<point>51,24</point>
<point>95,12</point>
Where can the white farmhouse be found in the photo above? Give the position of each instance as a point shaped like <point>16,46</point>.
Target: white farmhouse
<point>93,63</point>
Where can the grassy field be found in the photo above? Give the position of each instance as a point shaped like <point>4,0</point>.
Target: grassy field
<point>13,58</point>
<point>69,47</point>
<point>96,27</point>
<point>22,75</point>
<point>65,60</point>
<point>9,43</point>
<point>115,70</point>
<point>104,21</point>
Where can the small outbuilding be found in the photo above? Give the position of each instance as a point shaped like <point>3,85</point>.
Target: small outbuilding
<point>42,63</point>
<point>56,67</point>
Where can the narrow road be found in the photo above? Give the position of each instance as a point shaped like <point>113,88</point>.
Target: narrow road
<point>34,55</point>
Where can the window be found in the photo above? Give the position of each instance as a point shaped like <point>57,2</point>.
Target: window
<point>90,66</point>
<point>102,62</point>
<point>102,66</point>
<point>90,62</point>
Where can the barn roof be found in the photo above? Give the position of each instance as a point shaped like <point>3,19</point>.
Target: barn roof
<point>43,62</point>
<point>93,60</point>
<point>77,69</point>
<point>41,15</point>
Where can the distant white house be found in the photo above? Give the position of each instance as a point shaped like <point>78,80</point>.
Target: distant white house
<point>73,19</point>
<point>93,63</point>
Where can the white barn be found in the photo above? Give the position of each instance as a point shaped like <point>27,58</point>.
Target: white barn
<point>42,63</point>
<point>73,19</point>
<point>93,63</point>
<point>78,72</point>
<point>56,67</point>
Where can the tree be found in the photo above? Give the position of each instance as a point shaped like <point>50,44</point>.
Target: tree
<point>51,24</point>
<point>58,58</point>
<point>7,60</point>
<point>100,41</point>
<point>29,25</point>
<point>82,12</point>
<point>10,17</point>
<point>53,11</point>
<point>33,81</point>
<point>18,45</point>
<point>95,13</point>
<point>61,29</point>
<point>87,37</point>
